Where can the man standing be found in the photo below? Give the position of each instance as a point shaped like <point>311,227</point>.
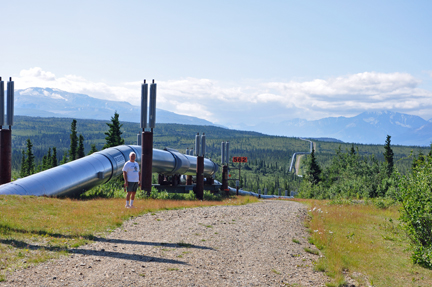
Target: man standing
<point>131,175</point>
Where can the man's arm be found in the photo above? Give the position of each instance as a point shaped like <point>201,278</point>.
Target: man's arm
<point>125,178</point>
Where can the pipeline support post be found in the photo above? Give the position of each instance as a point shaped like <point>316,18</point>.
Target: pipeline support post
<point>6,134</point>
<point>199,187</point>
<point>224,178</point>
<point>189,180</point>
<point>6,156</point>
<point>146,161</point>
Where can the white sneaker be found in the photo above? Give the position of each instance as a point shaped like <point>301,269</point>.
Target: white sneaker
<point>131,206</point>
<point>127,206</point>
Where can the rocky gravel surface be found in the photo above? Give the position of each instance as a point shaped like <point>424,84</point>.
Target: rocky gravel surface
<point>248,245</point>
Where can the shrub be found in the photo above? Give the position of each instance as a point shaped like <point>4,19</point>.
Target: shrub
<point>415,195</point>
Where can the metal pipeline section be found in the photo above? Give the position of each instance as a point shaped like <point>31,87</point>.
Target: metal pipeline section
<point>293,159</point>
<point>244,192</point>
<point>73,178</point>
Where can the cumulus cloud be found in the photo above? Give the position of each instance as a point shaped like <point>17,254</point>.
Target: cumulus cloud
<point>274,101</point>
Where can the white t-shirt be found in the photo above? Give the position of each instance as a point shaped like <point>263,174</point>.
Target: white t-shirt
<point>132,171</point>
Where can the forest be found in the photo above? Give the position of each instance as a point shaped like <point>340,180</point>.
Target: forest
<point>269,157</point>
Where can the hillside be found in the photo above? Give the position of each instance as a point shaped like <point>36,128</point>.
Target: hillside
<point>269,157</point>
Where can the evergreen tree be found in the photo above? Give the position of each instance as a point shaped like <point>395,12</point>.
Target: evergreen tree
<point>80,152</point>
<point>29,165</point>
<point>65,158</point>
<point>74,141</point>
<point>92,149</point>
<point>46,160</point>
<point>352,151</point>
<point>113,136</point>
<point>54,157</point>
<point>388,156</point>
<point>23,172</point>
<point>313,172</point>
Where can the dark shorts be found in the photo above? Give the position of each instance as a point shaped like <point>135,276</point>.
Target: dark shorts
<point>132,186</point>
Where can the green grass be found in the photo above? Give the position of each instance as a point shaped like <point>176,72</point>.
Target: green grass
<point>295,241</point>
<point>311,251</point>
<point>35,229</point>
<point>363,238</point>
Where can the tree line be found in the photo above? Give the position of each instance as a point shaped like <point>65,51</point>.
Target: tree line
<point>75,151</point>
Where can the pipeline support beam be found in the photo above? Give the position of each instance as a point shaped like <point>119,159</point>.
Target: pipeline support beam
<point>199,187</point>
<point>5,156</point>
<point>147,161</point>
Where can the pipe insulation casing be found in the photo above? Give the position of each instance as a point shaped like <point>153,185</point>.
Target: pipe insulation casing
<point>73,178</point>
<point>144,101</point>
<point>10,103</point>
<point>222,153</point>
<point>197,145</point>
<point>2,101</point>
<point>203,145</point>
<point>152,110</point>
<point>227,155</point>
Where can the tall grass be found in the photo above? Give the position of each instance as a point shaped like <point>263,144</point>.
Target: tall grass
<point>363,239</point>
<point>34,229</point>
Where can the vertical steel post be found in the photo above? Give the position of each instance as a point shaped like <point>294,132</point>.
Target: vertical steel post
<point>6,135</point>
<point>189,180</point>
<point>147,161</point>
<point>1,125</point>
<point>6,156</point>
<point>147,137</point>
<point>224,178</point>
<point>199,187</point>
<point>237,186</point>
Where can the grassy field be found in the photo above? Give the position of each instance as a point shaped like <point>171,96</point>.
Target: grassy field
<point>360,239</point>
<point>365,241</point>
<point>35,229</point>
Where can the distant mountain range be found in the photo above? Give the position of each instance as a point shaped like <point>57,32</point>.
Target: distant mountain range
<point>367,127</point>
<point>46,102</point>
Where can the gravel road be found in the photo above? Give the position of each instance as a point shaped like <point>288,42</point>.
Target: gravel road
<point>249,245</point>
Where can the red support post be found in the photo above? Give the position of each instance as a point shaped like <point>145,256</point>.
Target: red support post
<point>5,156</point>
<point>189,180</point>
<point>224,178</point>
<point>199,187</point>
<point>146,161</point>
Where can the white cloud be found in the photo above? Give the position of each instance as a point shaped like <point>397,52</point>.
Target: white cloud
<point>274,101</point>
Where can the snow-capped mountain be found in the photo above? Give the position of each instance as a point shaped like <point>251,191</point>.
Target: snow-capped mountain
<point>367,127</point>
<point>46,102</point>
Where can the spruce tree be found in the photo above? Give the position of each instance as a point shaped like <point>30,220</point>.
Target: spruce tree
<point>23,171</point>
<point>314,171</point>
<point>352,151</point>
<point>64,158</point>
<point>80,152</point>
<point>30,165</point>
<point>388,156</point>
<point>113,136</point>
<point>92,149</point>
<point>54,157</point>
<point>74,141</point>
<point>46,160</point>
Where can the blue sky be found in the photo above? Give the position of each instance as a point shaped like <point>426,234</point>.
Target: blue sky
<point>229,62</point>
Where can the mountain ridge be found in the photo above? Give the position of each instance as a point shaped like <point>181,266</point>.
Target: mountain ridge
<point>366,128</point>
<point>47,102</point>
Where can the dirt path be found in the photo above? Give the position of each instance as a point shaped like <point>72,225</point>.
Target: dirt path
<point>297,163</point>
<point>249,245</point>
